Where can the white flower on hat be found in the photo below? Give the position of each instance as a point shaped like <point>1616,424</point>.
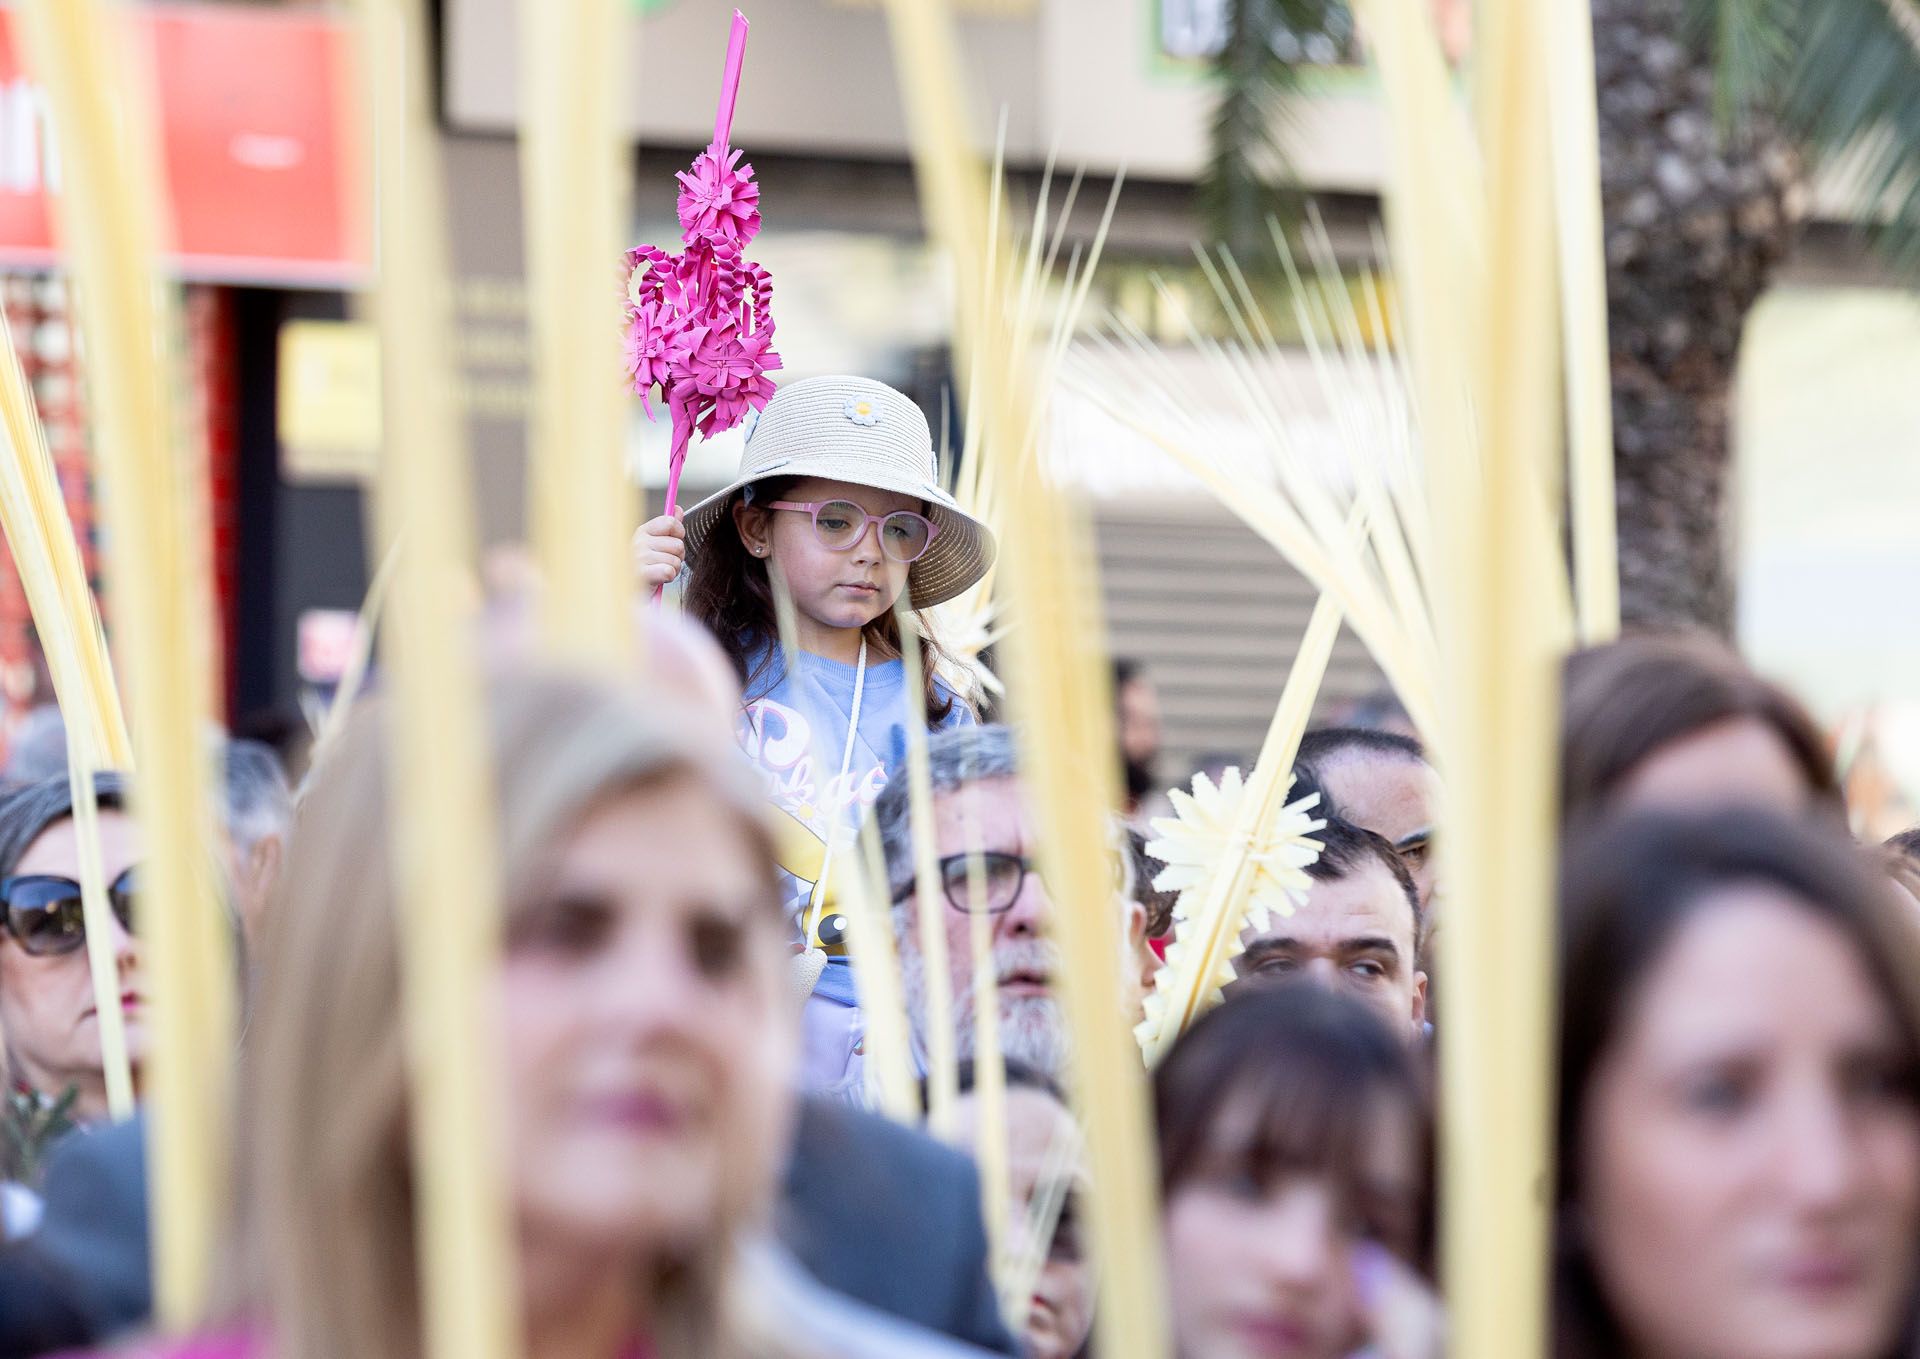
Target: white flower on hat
<point>861,411</point>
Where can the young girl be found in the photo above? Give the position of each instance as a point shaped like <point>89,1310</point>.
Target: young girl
<point>839,493</point>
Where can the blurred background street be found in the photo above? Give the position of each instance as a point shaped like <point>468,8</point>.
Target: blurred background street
<point>1823,391</point>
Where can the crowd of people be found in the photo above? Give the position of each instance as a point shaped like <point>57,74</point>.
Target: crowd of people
<point>692,1163</point>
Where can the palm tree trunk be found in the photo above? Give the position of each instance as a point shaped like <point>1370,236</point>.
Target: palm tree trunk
<point>1696,221</point>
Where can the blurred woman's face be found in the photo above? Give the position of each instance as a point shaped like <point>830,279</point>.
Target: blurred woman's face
<point>646,1031</point>
<point>47,1011</point>
<point>1267,1270</point>
<point>1749,1150</point>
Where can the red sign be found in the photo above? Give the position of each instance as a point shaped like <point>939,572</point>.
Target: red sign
<point>250,104</point>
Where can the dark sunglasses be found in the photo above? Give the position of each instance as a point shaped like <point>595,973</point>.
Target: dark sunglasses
<point>44,914</point>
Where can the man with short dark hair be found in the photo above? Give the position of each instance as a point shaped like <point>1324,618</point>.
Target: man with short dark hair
<point>1379,780</point>
<point>1357,931</point>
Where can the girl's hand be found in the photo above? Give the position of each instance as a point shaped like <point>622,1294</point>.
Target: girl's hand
<point>659,550</point>
<point>1403,1317</point>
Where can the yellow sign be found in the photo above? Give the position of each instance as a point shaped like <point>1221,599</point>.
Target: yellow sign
<point>329,400</point>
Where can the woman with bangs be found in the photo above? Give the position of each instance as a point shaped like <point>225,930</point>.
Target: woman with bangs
<point>1295,1169</point>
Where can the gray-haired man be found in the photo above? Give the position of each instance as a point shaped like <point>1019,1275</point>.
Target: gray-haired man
<point>977,796</point>
<point>259,808</point>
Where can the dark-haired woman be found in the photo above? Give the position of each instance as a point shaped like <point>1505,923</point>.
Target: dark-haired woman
<point>1680,722</point>
<point>1739,1123</point>
<point>1294,1168</point>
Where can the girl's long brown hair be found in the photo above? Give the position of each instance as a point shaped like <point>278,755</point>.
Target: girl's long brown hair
<point>728,592</point>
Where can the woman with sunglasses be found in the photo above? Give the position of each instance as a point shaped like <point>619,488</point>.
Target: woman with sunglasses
<point>839,500</point>
<point>47,1011</point>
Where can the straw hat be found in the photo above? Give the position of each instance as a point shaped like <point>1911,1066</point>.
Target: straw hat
<point>857,430</point>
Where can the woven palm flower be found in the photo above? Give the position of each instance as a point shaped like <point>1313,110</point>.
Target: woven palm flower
<point>1199,842</point>
<point>1229,869</point>
<point>719,198</point>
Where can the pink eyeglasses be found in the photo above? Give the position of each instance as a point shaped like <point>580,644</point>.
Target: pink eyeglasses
<point>841,524</point>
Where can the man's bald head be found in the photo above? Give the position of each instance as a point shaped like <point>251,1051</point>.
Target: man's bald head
<point>1381,781</point>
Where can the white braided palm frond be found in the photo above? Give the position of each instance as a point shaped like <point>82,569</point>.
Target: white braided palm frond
<point>1231,865</point>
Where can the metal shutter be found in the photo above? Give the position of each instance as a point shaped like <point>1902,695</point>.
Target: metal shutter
<point>1214,614</point>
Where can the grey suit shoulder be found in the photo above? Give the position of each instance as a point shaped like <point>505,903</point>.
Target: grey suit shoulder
<point>95,1228</point>
<point>891,1218</point>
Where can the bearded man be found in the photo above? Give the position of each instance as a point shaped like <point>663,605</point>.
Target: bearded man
<point>979,804</point>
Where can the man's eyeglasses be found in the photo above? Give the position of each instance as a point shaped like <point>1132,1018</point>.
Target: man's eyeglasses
<point>44,914</point>
<point>1002,876</point>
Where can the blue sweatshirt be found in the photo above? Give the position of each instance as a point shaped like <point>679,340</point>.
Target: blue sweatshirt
<point>794,728</point>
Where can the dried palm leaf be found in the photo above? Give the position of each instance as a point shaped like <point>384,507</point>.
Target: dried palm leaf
<point>1573,104</point>
<point>971,623</point>
<point>1482,341</point>
<point>52,574</point>
<point>876,977</point>
<point>1236,853</point>
<point>930,899</point>
<point>1057,679</point>
<point>448,876</point>
<point>574,191</point>
<point>153,487</point>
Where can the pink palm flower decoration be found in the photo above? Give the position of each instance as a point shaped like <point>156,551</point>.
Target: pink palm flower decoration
<point>729,368</point>
<point>718,198</point>
<point>699,324</point>
<point>646,351</point>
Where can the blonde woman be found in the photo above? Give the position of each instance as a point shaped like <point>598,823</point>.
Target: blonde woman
<point>643,1023</point>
